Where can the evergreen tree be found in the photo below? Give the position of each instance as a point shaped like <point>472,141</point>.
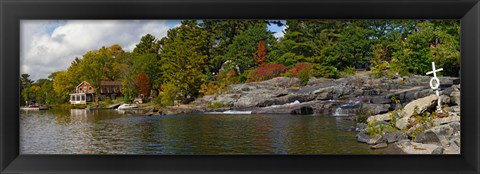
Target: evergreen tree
<point>241,52</point>
<point>183,60</point>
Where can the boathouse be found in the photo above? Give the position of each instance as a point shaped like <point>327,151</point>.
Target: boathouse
<point>84,92</point>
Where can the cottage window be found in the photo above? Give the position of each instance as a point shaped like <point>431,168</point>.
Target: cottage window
<point>83,97</point>
<point>72,98</point>
<point>77,98</point>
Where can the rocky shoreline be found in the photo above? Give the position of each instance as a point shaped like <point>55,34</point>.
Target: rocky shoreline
<point>417,128</point>
<point>397,111</point>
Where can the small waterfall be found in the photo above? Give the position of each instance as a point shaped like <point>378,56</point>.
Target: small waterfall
<point>292,103</point>
<point>339,112</point>
<point>346,109</point>
<point>231,112</point>
<point>237,112</point>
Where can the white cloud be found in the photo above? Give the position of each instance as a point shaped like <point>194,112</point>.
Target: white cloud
<point>49,46</point>
<point>279,34</point>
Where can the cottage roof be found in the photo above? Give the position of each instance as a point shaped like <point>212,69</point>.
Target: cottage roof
<point>110,83</point>
<point>82,83</point>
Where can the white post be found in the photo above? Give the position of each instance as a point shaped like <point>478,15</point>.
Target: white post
<point>436,85</point>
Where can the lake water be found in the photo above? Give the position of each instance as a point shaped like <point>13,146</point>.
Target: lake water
<point>80,131</point>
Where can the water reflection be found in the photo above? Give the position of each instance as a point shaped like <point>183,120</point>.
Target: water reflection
<point>109,132</point>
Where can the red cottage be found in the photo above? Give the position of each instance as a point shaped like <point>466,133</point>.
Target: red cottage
<point>84,92</point>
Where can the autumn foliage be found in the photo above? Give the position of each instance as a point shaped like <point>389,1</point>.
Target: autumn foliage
<point>299,68</point>
<point>261,54</point>
<point>266,72</point>
<point>143,84</point>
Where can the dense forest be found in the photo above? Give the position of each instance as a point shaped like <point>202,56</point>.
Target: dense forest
<point>201,57</point>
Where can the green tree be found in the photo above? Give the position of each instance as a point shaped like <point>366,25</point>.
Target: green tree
<point>25,81</point>
<point>25,84</point>
<point>220,35</point>
<point>437,41</point>
<point>99,65</point>
<point>150,65</point>
<point>183,59</point>
<point>245,45</point>
<point>148,45</point>
<point>379,63</point>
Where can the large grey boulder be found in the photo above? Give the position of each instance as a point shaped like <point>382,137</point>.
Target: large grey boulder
<point>455,97</point>
<point>391,137</point>
<point>445,99</point>
<point>379,117</point>
<point>364,138</point>
<point>438,135</point>
<point>423,104</point>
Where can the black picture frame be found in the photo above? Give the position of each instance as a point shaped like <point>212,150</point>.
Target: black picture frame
<point>11,12</point>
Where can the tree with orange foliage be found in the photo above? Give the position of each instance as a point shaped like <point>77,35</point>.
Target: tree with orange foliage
<point>261,54</point>
<point>143,84</point>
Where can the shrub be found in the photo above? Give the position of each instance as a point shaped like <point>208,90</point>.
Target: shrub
<point>379,65</point>
<point>325,71</point>
<point>107,101</point>
<point>295,71</point>
<point>169,94</point>
<point>304,76</point>
<point>157,100</point>
<point>395,99</point>
<point>266,72</point>
<point>362,115</point>
<point>302,71</point>
<point>224,78</point>
<point>393,118</point>
<point>348,71</point>
<point>209,89</point>
<point>375,129</point>
<point>243,77</point>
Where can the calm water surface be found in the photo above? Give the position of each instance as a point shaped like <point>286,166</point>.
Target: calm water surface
<point>109,132</point>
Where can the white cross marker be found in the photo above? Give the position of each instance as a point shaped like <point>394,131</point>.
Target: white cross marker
<point>436,85</point>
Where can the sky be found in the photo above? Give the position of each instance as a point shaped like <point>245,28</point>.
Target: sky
<point>48,46</point>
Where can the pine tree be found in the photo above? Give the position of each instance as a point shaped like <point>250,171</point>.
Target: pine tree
<point>183,60</point>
